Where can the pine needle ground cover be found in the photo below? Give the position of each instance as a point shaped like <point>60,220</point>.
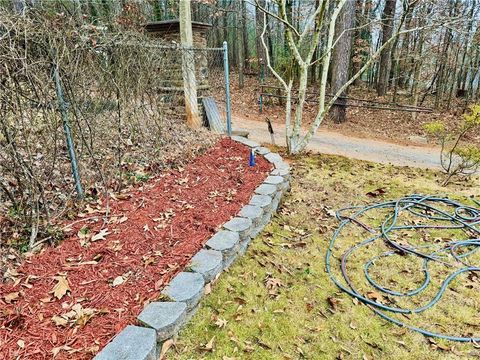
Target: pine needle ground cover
<point>278,302</point>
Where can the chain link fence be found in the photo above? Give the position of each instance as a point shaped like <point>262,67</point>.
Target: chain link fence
<point>106,105</point>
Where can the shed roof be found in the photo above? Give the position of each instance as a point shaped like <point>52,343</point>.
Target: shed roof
<point>173,26</point>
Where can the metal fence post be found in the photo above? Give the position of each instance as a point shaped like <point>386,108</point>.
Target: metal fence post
<point>66,128</point>
<point>227,89</point>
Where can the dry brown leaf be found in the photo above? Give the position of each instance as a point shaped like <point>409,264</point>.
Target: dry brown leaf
<point>57,350</point>
<point>59,320</point>
<point>272,285</point>
<point>11,297</point>
<point>119,280</point>
<point>300,351</point>
<point>61,287</point>
<point>208,289</point>
<point>77,315</point>
<point>90,210</point>
<point>209,346</point>
<point>92,349</point>
<point>263,344</point>
<point>374,295</point>
<point>165,347</point>
<point>158,284</point>
<point>221,323</point>
<point>122,220</point>
<point>333,302</point>
<point>148,260</point>
<point>12,274</point>
<point>101,235</point>
<point>82,315</point>
<point>444,347</point>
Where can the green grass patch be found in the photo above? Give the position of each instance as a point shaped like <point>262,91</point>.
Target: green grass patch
<point>277,302</point>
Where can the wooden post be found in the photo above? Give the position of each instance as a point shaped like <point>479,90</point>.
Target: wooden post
<point>188,65</point>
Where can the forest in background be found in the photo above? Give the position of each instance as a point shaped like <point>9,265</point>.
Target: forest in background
<point>443,62</point>
<point>436,68</point>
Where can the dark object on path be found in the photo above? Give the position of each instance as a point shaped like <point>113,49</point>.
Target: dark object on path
<point>270,130</point>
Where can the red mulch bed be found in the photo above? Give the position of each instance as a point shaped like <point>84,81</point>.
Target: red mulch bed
<point>153,235</point>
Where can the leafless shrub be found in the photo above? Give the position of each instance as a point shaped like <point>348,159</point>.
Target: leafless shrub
<point>124,126</point>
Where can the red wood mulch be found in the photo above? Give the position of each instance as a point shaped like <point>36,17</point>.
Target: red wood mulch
<point>152,237</point>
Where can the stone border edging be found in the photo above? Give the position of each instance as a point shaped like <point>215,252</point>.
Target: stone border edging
<point>162,320</point>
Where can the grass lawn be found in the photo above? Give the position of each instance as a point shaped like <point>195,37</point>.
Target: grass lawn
<point>277,302</point>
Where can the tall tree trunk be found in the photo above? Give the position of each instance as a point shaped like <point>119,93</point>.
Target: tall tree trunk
<point>401,64</point>
<point>313,69</point>
<point>362,37</point>
<point>473,76</point>
<point>240,46</point>
<point>387,31</point>
<point>246,52</point>
<point>269,37</point>
<point>341,58</point>
<point>395,55</point>
<point>259,28</point>
<point>225,21</point>
<point>232,32</point>
<point>441,69</point>
<point>461,81</point>
<point>416,75</point>
<point>443,74</point>
<point>288,6</point>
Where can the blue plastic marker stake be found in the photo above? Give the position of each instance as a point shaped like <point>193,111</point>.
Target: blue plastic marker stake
<point>252,158</point>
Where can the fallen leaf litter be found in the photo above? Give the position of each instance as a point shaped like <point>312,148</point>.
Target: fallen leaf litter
<point>69,301</point>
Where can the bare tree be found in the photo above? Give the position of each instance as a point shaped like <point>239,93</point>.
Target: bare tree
<point>319,27</point>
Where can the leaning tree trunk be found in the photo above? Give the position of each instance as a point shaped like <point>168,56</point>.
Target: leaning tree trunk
<point>387,31</point>
<point>341,59</point>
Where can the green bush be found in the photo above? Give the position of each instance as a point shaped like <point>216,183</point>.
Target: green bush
<point>457,157</point>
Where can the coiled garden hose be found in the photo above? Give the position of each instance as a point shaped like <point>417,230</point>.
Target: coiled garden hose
<point>431,212</point>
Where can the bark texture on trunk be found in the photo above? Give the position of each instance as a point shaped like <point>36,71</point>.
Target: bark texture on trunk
<point>387,31</point>
<point>341,58</point>
<point>260,21</point>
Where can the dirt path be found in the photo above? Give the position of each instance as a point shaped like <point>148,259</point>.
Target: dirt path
<point>334,143</point>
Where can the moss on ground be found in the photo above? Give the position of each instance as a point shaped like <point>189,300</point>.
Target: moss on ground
<point>277,301</point>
